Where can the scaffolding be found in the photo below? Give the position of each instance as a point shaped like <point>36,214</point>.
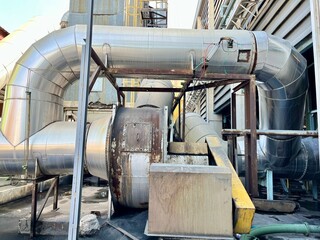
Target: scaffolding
<point>154,13</point>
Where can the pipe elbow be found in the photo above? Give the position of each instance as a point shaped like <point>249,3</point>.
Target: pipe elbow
<point>282,86</point>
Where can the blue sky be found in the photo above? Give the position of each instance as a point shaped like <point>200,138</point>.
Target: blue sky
<point>15,13</point>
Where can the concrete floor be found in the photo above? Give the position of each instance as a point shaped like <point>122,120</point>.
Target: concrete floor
<point>94,199</point>
<point>56,222</point>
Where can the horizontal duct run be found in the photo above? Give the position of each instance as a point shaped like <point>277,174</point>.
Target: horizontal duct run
<point>51,64</point>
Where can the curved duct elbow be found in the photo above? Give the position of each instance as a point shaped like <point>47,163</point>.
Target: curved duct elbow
<point>53,62</point>
<point>282,86</point>
<point>197,129</point>
<point>155,99</point>
<point>16,43</point>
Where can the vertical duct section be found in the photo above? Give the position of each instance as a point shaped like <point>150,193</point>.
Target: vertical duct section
<point>282,85</point>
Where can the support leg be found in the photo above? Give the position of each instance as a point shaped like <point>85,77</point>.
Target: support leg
<point>33,219</point>
<point>269,185</point>
<point>56,193</point>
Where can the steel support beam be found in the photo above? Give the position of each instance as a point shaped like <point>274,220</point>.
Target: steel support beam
<point>315,24</point>
<point>184,118</point>
<point>148,89</point>
<point>75,208</point>
<point>244,132</point>
<point>55,194</point>
<point>94,77</point>
<point>33,220</point>
<point>232,140</point>
<point>251,139</point>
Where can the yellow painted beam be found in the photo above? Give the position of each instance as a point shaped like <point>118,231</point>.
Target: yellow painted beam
<point>244,208</point>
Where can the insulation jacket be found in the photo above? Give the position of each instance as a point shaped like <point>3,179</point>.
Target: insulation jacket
<point>52,63</point>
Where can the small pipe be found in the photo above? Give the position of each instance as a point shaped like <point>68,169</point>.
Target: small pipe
<point>305,229</point>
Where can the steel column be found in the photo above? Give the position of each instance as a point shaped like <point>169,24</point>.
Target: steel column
<point>179,117</point>
<point>184,118</point>
<point>315,24</point>
<point>232,141</point>
<point>55,193</point>
<point>34,200</point>
<point>75,209</point>
<point>251,139</point>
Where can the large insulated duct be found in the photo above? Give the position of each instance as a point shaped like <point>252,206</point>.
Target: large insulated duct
<point>16,43</point>
<point>197,129</point>
<point>52,63</point>
<point>155,99</point>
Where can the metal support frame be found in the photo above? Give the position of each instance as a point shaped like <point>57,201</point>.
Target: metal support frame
<point>184,118</point>
<point>232,140</point>
<point>216,79</point>
<point>107,74</point>
<point>251,139</point>
<point>179,107</point>
<point>227,132</point>
<point>75,208</point>
<point>34,216</point>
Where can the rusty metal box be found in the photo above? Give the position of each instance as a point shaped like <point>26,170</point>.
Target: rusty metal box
<point>189,200</point>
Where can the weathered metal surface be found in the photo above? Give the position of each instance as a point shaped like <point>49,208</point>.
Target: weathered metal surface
<point>136,141</point>
<point>243,207</point>
<point>188,148</point>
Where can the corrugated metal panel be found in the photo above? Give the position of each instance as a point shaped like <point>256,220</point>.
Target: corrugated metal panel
<point>265,19</point>
<point>287,19</point>
<point>203,105</point>
<point>221,98</point>
<point>293,20</point>
<point>281,16</point>
<point>300,32</point>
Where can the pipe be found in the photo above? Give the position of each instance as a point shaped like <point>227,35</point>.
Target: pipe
<point>305,229</point>
<point>53,147</point>
<point>153,99</point>
<point>52,63</point>
<point>197,129</point>
<point>15,44</point>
